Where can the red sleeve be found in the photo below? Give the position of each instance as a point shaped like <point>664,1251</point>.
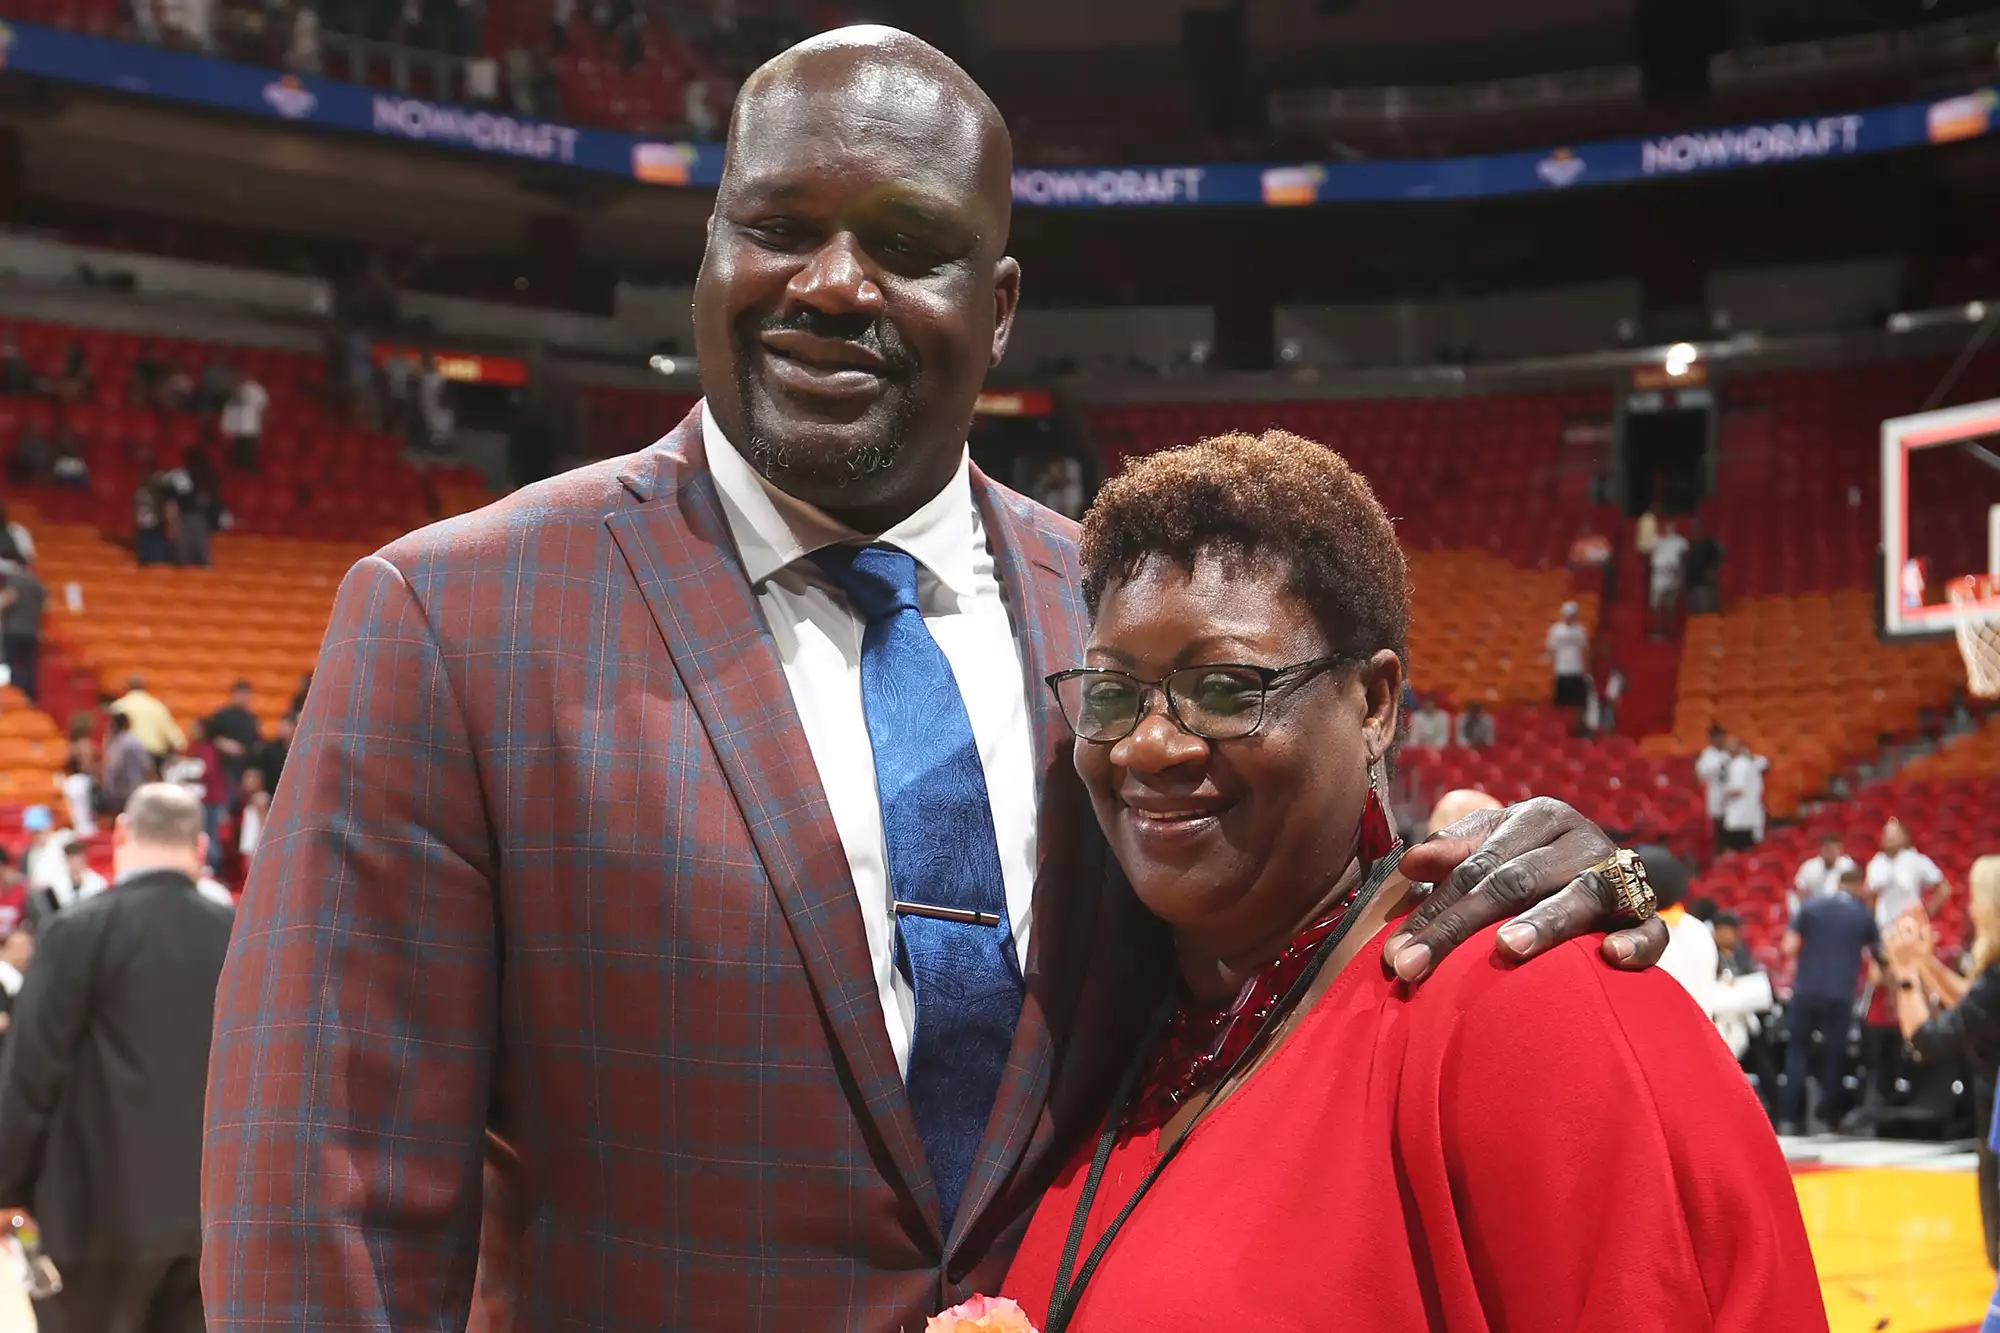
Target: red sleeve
<point>1609,1167</point>
<point>356,1017</point>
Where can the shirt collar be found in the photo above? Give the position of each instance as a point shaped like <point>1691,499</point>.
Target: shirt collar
<point>772,529</point>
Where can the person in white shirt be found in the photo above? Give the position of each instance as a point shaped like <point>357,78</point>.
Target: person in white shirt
<point>1820,874</point>
<point>1901,877</point>
<point>1711,769</point>
<point>1667,562</point>
<point>1743,799</point>
<point>243,420</point>
<point>1430,725</point>
<point>89,883</point>
<point>1568,649</point>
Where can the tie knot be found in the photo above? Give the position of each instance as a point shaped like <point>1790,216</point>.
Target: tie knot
<point>879,580</point>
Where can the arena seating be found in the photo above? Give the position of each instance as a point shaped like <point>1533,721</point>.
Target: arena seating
<point>317,476</point>
<point>618,420</point>
<point>1806,682</point>
<point>259,614</point>
<point>1642,797</point>
<point>1516,501</point>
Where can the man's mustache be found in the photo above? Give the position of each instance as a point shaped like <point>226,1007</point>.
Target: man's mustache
<point>865,331</point>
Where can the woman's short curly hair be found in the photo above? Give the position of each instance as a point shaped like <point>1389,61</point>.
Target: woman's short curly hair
<point>1275,496</point>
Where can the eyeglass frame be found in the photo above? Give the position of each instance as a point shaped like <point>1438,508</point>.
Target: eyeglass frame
<point>1269,677</point>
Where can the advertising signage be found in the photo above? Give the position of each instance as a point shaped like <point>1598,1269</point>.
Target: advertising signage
<point>309,100</point>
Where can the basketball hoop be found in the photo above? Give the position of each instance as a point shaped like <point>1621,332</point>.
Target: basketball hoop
<point>1975,606</point>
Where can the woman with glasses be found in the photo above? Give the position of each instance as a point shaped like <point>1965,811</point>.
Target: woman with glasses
<point>1303,1141</point>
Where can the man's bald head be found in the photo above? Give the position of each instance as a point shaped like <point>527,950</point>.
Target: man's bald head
<point>1456,805</point>
<point>903,83</point>
<point>856,286</point>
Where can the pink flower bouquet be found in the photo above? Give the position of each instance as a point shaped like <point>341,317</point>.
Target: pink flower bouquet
<point>982,1314</point>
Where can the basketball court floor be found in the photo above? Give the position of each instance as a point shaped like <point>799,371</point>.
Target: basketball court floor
<point>1895,1231</point>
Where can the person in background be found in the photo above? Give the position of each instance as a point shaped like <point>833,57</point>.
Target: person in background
<point>1830,936</point>
<point>1646,534</point>
<point>17,378</point>
<point>1704,571</point>
<point>243,421</point>
<point>89,883</point>
<point>1743,798</point>
<point>198,770</point>
<point>194,488</point>
<point>148,370</point>
<point>43,863</point>
<point>77,788</point>
<point>256,808</point>
<point>233,729</point>
<point>270,755</point>
<point>73,383</point>
<point>1666,564</point>
<point>1690,958</point>
<point>34,457</point>
<point>1607,698</point>
<point>1944,1016</point>
<point>13,894</point>
<point>17,952</point>
<point>1711,769</point>
<point>70,469</point>
<point>21,600</point>
<point>149,523</point>
<point>1739,1003</point>
<point>1475,727</point>
<point>1903,877</point>
<point>152,721</point>
<point>1456,805</point>
<point>127,765</point>
<point>299,695</point>
<point>101,1103</point>
<point>434,406</point>
<point>1820,874</point>
<point>1567,648</point>
<point>1430,725</point>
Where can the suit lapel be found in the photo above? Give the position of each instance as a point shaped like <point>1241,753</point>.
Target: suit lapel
<point>1046,606</point>
<point>678,547</point>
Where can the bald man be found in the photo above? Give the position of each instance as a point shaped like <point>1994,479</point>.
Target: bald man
<point>608,833</point>
<point>1456,805</point>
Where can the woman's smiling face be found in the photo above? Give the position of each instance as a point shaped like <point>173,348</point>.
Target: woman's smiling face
<point>1234,843</point>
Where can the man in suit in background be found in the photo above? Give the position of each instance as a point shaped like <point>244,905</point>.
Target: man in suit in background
<point>605,831</point>
<point>101,1087</point>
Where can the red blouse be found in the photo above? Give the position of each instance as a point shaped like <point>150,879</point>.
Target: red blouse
<point>1552,1147</point>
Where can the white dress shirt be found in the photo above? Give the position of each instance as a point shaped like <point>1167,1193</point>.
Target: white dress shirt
<point>1743,798</point>
<point>1816,877</point>
<point>1712,768</point>
<point>1900,882</point>
<point>819,642</point>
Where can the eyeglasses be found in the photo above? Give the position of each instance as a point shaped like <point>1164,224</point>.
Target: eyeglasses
<point>1219,701</point>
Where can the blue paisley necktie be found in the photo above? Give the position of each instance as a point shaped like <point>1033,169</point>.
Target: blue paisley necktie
<point>938,827</point>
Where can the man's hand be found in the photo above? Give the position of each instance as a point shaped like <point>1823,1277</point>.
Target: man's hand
<point>1533,861</point>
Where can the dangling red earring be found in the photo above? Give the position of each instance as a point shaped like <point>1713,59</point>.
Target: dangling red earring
<point>1378,834</point>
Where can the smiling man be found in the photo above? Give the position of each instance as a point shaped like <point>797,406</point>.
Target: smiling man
<point>697,826</point>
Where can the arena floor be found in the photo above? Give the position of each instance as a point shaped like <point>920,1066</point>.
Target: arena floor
<point>1895,1230</point>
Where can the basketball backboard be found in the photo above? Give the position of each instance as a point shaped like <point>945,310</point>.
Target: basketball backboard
<point>1940,514</point>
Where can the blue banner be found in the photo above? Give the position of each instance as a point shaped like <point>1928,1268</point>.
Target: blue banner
<point>198,80</point>
<point>1605,162</point>
<point>146,71</point>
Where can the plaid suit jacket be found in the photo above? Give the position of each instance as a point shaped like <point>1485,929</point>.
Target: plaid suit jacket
<point>551,857</point>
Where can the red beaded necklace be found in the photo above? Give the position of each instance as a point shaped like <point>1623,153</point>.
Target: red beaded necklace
<point>1205,1037</point>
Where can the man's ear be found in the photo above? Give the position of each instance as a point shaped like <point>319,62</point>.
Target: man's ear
<point>1006,299</point>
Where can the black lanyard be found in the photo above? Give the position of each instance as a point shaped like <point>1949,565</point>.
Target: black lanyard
<point>1067,1295</point>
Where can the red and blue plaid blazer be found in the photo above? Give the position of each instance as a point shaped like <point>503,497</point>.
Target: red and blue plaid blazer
<point>551,856</point>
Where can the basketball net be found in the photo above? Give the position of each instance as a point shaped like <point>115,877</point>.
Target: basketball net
<point>1978,622</point>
